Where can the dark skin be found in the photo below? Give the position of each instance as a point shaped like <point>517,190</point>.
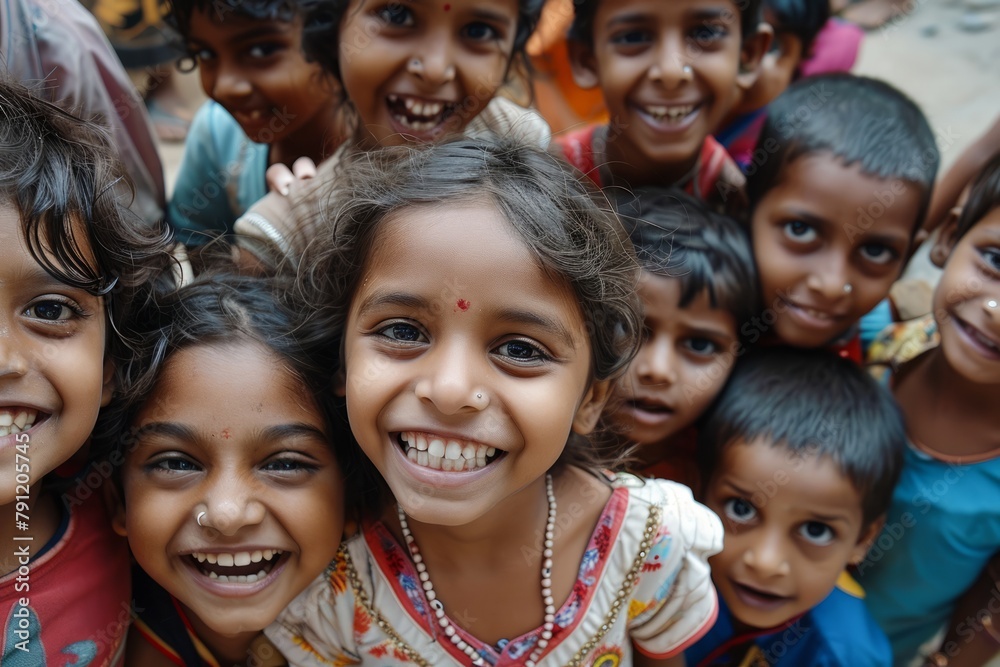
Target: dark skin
<point>934,397</point>
<point>972,636</point>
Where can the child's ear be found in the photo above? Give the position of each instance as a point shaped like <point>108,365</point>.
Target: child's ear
<point>866,540</point>
<point>592,406</point>
<point>583,64</point>
<point>116,507</point>
<point>340,383</point>
<point>108,385</point>
<point>751,53</point>
<point>947,238</point>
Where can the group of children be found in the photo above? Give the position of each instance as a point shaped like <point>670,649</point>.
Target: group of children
<point>496,402</point>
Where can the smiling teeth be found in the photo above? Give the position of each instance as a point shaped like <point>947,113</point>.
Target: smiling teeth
<point>670,113</point>
<point>238,559</point>
<point>818,314</point>
<point>417,108</point>
<point>16,421</point>
<point>983,340</point>
<point>448,455</point>
<point>425,109</point>
<point>240,579</point>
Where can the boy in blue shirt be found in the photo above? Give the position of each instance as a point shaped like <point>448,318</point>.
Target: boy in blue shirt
<point>800,455</point>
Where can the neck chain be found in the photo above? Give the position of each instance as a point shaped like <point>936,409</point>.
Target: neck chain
<point>446,626</point>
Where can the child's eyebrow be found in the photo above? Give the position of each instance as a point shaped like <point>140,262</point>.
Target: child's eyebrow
<point>887,239</point>
<point>804,216</point>
<point>830,518</point>
<point>38,278</point>
<point>266,29</point>
<point>736,488</point>
<point>402,299</point>
<point>294,430</point>
<point>711,13</point>
<point>529,318</point>
<point>276,432</point>
<point>701,330</point>
<point>487,14</point>
<point>168,429</point>
<point>626,19</point>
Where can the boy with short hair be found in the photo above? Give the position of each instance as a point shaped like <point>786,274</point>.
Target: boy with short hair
<point>839,185</point>
<point>670,73</point>
<point>698,283</point>
<point>800,455</point>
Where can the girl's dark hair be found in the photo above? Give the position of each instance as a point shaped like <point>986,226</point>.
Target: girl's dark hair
<point>261,10</point>
<point>677,236</point>
<point>552,211</point>
<point>227,309</point>
<point>983,197</point>
<point>322,34</point>
<point>72,196</point>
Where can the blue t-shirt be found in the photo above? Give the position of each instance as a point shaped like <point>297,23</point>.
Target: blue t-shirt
<point>836,632</point>
<point>221,175</point>
<point>942,528</point>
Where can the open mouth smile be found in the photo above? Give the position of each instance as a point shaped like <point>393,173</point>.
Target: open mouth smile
<point>987,346</point>
<point>670,114</point>
<point>448,454</point>
<point>14,420</point>
<point>243,567</point>
<point>812,316</point>
<point>760,599</point>
<point>419,114</point>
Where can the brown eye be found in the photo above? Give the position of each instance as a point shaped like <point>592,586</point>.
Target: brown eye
<point>51,311</point>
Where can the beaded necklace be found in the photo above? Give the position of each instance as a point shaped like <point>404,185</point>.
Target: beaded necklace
<point>547,600</point>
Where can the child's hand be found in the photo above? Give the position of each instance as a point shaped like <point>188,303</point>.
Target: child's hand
<point>281,179</point>
<point>278,226</point>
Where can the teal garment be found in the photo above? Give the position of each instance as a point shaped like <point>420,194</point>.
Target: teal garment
<point>221,176</point>
<point>941,531</point>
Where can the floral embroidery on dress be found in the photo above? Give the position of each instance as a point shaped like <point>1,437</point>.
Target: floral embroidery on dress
<point>405,575</point>
<point>607,656</point>
<point>337,574</point>
<point>337,660</point>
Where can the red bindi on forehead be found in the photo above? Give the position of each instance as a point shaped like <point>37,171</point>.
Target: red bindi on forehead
<point>462,305</point>
<point>447,7</point>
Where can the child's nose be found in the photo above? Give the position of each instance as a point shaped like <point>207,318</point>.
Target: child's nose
<point>831,280</point>
<point>671,66</point>
<point>12,359</point>
<point>991,306</point>
<point>434,64</point>
<point>452,383</point>
<point>229,85</point>
<point>657,362</point>
<point>766,555</point>
<point>229,506</point>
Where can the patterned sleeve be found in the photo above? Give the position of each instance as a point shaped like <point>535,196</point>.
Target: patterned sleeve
<point>317,627</point>
<point>674,602</point>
